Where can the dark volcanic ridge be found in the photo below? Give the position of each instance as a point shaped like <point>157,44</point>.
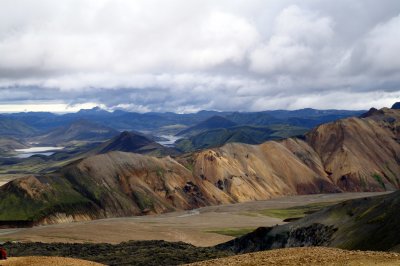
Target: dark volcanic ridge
<point>126,253</point>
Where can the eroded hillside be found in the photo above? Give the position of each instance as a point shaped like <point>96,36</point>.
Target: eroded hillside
<point>355,154</point>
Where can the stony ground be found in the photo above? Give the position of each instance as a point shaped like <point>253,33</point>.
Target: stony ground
<point>44,261</point>
<point>315,256</point>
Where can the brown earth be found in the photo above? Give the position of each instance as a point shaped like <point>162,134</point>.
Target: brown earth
<point>46,261</point>
<point>194,227</point>
<point>314,256</point>
<point>5,178</point>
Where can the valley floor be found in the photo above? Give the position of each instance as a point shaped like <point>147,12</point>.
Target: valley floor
<point>314,256</point>
<point>201,227</point>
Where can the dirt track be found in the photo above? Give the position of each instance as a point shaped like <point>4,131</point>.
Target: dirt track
<point>186,226</point>
<point>307,257</point>
<point>46,261</point>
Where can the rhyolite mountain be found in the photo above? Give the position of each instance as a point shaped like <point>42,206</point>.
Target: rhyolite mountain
<point>352,154</point>
<point>360,224</point>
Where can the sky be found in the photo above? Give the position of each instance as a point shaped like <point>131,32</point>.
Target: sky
<point>185,56</point>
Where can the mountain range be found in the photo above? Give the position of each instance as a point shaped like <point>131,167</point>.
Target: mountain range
<point>352,154</point>
<point>80,130</point>
<point>39,123</point>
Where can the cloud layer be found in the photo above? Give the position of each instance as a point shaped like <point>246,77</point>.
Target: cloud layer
<point>183,56</point>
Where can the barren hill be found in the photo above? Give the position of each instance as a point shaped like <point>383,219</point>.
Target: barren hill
<point>354,154</point>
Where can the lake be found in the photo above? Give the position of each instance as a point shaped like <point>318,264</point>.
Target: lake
<point>170,140</point>
<point>26,153</point>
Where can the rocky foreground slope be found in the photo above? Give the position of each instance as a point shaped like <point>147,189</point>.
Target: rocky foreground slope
<point>47,261</point>
<point>307,256</point>
<point>360,224</point>
<point>355,154</point>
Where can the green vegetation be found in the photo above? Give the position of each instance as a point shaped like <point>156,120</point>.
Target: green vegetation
<point>295,212</point>
<point>379,179</point>
<point>144,200</point>
<point>160,172</point>
<point>235,232</point>
<point>15,206</point>
<point>241,134</point>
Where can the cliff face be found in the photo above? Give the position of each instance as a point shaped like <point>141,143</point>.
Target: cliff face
<point>355,154</point>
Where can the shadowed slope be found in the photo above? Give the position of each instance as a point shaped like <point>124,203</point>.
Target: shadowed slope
<point>366,224</point>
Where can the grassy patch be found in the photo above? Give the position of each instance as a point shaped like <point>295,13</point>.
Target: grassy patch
<point>379,179</point>
<point>235,232</point>
<point>295,212</point>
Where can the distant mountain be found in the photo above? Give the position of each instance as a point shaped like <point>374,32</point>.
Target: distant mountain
<point>352,154</point>
<point>95,111</point>
<point>213,122</point>
<point>256,118</point>
<point>14,128</point>
<point>396,105</point>
<point>241,134</point>
<point>307,117</point>
<point>44,122</point>
<point>81,130</point>
<point>361,224</point>
<point>8,144</point>
<point>136,143</point>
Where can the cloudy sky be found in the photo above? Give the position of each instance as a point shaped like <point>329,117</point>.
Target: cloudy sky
<point>184,56</point>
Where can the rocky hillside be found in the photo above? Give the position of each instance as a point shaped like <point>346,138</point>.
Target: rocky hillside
<point>360,153</point>
<point>306,256</point>
<point>355,154</point>
<point>361,224</point>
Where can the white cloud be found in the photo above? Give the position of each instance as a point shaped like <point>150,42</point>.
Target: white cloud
<point>149,55</point>
<point>382,45</point>
<point>298,43</point>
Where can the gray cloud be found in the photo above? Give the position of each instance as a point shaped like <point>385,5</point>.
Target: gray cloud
<point>185,56</point>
